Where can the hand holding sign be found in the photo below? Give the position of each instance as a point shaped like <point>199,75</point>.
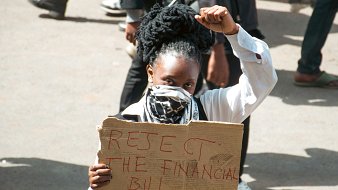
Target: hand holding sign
<point>99,175</point>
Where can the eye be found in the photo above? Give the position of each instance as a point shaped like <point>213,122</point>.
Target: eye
<point>188,85</point>
<point>169,81</point>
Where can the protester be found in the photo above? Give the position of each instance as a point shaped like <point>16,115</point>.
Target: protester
<point>308,72</point>
<point>174,66</point>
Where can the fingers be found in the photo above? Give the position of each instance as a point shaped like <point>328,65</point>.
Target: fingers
<point>96,186</point>
<point>103,172</point>
<point>217,19</point>
<point>202,21</point>
<point>97,166</point>
<point>131,37</point>
<point>99,181</point>
<point>130,32</point>
<point>99,170</point>
<point>214,14</point>
<point>99,175</point>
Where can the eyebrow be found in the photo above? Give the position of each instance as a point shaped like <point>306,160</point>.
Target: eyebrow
<point>173,77</point>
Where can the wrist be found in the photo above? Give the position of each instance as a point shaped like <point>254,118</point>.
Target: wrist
<point>234,30</point>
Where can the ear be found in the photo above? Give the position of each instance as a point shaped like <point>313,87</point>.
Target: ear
<point>150,73</point>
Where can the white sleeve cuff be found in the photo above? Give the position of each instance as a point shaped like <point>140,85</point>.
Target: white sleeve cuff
<point>246,47</point>
<point>134,15</point>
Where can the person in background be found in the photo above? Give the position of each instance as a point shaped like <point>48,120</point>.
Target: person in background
<point>243,12</point>
<point>249,18</point>
<point>308,72</point>
<point>57,8</point>
<point>174,63</point>
<point>112,7</point>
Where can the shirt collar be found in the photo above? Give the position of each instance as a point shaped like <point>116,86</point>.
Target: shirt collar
<point>136,108</point>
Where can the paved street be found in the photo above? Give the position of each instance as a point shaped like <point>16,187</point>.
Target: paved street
<point>59,79</point>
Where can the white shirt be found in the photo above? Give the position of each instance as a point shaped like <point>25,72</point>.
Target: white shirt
<point>234,104</point>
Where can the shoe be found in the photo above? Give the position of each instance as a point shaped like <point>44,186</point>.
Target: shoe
<point>256,33</point>
<point>112,7</point>
<point>324,80</point>
<point>56,8</point>
<point>296,7</point>
<point>122,26</point>
<point>131,51</point>
<point>243,186</point>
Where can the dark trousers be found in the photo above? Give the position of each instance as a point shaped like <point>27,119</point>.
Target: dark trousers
<point>248,14</point>
<point>315,36</point>
<point>136,82</point>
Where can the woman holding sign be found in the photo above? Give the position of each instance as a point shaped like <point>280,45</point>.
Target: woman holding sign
<point>171,40</point>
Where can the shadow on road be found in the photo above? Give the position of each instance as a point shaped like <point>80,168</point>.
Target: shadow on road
<point>41,174</point>
<point>283,170</point>
<point>84,19</point>
<point>269,169</point>
<point>294,95</point>
<point>281,27</point>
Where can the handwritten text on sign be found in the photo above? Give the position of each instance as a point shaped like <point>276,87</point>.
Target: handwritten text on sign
<point>148,156</point>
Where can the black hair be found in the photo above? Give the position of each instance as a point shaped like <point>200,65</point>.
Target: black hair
<point>172,30</point>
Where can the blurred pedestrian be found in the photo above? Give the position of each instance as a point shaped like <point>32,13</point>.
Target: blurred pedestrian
<point>112,7</point>
<point>57,8</point>
<point>249,17</point>
<point>308,72</point>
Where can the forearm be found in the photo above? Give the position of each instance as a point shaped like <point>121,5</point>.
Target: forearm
<point>259,76</point>
<point>255,59</point>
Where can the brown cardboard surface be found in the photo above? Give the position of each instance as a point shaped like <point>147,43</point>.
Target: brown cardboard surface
<point>201,155</point>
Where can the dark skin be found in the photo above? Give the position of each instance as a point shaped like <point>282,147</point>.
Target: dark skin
<point>174,71</point>
<point>99,175</point>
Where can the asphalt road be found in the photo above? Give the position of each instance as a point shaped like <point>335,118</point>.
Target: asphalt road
<point>59,79</point>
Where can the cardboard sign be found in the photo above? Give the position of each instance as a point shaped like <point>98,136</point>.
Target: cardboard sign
<point>149,156</point>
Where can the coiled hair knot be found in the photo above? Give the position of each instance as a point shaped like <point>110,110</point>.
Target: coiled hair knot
<point>172,28</point>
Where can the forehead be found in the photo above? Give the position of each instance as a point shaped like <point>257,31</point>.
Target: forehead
<point>176,67</point>
<point>175,60</point>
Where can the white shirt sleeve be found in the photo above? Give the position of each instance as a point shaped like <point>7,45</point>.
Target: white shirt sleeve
<point>134,15</point>
<point>236,103</point>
